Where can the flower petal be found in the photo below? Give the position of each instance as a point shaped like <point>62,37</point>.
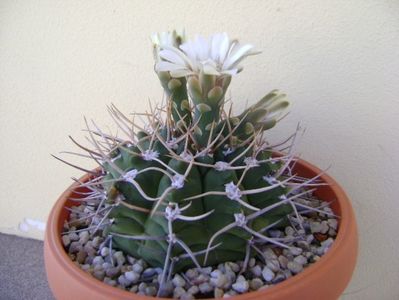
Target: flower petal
<point>172,56</point>
<point>167,66</point>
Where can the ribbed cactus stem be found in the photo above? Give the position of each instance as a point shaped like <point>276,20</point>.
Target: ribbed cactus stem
<point>176,91</point>
<point>207,94</point>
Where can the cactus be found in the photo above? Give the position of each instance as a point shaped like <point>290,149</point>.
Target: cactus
<point>195,186</point>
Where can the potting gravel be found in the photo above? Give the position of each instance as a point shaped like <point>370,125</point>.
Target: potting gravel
<point>90,251</point>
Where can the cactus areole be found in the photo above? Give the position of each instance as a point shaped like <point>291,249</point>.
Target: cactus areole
<point>195,185</point>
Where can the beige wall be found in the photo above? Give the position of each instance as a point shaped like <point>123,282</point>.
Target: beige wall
<point>338,61</point>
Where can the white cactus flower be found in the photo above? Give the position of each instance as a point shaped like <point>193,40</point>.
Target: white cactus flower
<point>216,55</point>
<point>161,40</point>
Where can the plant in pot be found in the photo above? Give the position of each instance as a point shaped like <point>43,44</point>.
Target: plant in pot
<point>193,202</point>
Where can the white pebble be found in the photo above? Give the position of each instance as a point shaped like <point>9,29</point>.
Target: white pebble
<point>178,281</point>
<point>73,236</point>
<point>120,258</point>
<point>132,276</point>
<point>256,271</point>
<point>301,260</point>
<point>324,227</point>
<point>178,291</point>
<point>123,281</point>
<point>315,227</point>
<point>191,273</point>
<point>84,237</point>
<point>267,274</point>
<point>137,268</point>
<point>289,231</point>
<point>296,251</point>
<point>219,281</point>
<point>205,287</point>
<point>104,251</point>
<point>327,243</point>
<point>273,265</point>
<point>333,223</point>
<point>98,260</point>
<point>294,267</point>
<point>186,296</point>
<point>66,240</point>
<point>269,254</point>
<point>193,290</point>
<point>233,266</point>
<point>241,285</point>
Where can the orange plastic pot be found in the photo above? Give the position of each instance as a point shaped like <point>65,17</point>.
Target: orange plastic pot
<point>326,279</point>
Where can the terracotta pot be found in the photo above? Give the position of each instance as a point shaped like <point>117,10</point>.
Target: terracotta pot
<point>325,279</point>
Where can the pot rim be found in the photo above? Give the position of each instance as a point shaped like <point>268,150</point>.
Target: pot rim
<point>346,224</point>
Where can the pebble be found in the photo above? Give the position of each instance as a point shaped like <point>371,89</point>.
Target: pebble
<point>109,281</point>
<point>274,233</point>
<point>324,227</point>
<point>289,231</point>
<point>120,258</point>
<point>191,273</point>
<point>81,256</point>
<point>137,268</point>
<point>150,291</point>
<point>84,237</point>
<point>148,272</point>
<point>304,245</point>
<point>178,291</point>
<point>251,262</point>
<point>219,279</point>
<point>193,290</point>
<point>327,243</point>
<point>123,281</point>
<point>178,281</point>
<point>255,284</point>
<point>104,251</point>
<point>269,254</point>
<point>267,274</point>
<point>205,287</point>
<point>273,265</point>
<point>233,266</point>
<point>302,260</point>
<point>75,247</point>
<point>223,281</point>
<point>218,293</point>
<point>142,287</point>
<point>333,223</point>
<point>96,242</point>
<point>112,272</point>
<point>98,260</point>
<point>296,250</point>
<point>241,285</point>
<point>315,227</point>
<point>279,277</point>
<point>186,296</point>
<point>66,240</point>
<point>283,261</point>
<point>99,274</point>
<point>256,271</point>
<point>294,267</point>
<point>73,236</point>
<point>132,276</point>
